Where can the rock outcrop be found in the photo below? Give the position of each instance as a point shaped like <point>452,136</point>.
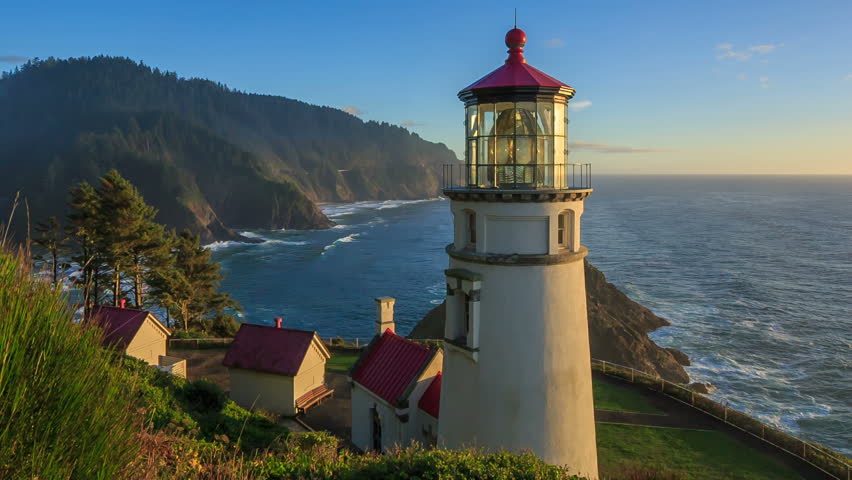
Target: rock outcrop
<point>618,330</point>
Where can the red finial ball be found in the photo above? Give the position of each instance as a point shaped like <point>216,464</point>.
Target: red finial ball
<point>516,38</point>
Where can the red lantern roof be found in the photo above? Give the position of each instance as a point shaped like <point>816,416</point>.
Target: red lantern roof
<point>516,72</point>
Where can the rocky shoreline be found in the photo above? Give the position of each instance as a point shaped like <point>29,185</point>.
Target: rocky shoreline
<point>618,331</point>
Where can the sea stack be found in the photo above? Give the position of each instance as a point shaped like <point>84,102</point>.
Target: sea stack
<point>517,373</point>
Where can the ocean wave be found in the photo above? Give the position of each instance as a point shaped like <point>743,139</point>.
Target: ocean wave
<point>344,209</point>
<point>220,244</point>
<point>347,239</point>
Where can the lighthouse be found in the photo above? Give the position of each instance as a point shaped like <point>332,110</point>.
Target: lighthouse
<point>517,373</point>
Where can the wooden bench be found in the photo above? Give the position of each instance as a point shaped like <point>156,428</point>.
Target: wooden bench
<point>312,398</point>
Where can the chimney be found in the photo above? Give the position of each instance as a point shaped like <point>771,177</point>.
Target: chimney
<point>384,314</point>
<point>278,322</point>
<point>123,303</point>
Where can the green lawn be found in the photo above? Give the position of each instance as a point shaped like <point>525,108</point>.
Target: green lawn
<point>626,399</point>
<point>695,454</point>
<point>341,362</point>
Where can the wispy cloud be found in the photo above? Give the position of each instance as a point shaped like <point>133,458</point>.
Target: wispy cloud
<point>764,49</point>
<point>554,43</point>
<point>849,77</point>
<point>581,105</point>
<point>742,76</point>
<point>764,82</point>
<point>727,50</point>
<point>12,59</point>
<point>353,110</point>
<point>607,148</point>
<point>412,123</point>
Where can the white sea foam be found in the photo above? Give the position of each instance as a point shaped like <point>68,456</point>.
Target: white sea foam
<point>344,209</point>
<point>347,239</point>
<point>218,245</point>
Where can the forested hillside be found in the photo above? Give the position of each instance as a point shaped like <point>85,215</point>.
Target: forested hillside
<point>209,158</point>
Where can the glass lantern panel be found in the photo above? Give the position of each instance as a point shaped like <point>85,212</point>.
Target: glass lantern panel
<point>525,118</point>
<point>524,150</point>
<point>559,150</point>
<point>486,150</point>
<point>545,118</point>
<point>486,119</point>
<point>505,119</point>
<point>471,170</point>
<point>472,121</point>
<point>559,119</point>
<point>545,161</point>
<point>505,151</point>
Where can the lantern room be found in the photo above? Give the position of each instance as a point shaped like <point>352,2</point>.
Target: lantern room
<point>516,129</point>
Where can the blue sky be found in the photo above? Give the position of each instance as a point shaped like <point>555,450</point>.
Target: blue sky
<point>662,87</point>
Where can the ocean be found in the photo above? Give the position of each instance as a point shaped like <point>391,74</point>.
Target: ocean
<point>754,273</point>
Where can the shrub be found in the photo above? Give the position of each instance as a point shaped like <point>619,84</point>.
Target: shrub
<point>204,396</point>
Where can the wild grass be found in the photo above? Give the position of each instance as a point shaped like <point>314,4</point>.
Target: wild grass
<point>63,411</point>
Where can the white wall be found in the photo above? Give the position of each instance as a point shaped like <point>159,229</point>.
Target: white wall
<point>530,387</point>
<point>533,230</point>
<point>362,420</point>
<point>259,390</point>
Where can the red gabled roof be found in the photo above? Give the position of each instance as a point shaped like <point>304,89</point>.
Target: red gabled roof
<point>389,366</point>
<point>269,349</point>
<point>121,324</point>
<point>515,72</point>
<point>430,402</point>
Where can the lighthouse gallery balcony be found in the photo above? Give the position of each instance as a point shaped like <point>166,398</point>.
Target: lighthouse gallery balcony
<point>564,176</point>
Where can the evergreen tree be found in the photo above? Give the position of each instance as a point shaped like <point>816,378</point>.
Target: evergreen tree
<point>51,237</point>
<point>189,289</point>
<point>83,229</point>
<point>126,231</point>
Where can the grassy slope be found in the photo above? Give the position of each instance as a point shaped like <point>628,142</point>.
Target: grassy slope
<point>697,454</point>
<point>624,399</point>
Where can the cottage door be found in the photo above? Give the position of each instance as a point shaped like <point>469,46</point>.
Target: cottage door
<point>377,430</point>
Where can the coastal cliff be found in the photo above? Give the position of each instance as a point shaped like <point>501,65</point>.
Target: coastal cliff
<point>618,330</point>
<point>209,158</point>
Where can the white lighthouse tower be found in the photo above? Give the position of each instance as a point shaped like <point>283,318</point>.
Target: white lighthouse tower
<point>517,373</point>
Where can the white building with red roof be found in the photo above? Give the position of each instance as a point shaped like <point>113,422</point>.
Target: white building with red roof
<point>280,370</point>
<point>394,391</point>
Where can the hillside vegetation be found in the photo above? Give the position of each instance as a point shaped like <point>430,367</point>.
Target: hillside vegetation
<point>209,158</point>
<point>72,410</point>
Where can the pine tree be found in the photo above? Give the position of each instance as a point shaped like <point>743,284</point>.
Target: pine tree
<point>51,237</point>
<point>189,289</point>
<point>126,231</point>
<point>83,229</point>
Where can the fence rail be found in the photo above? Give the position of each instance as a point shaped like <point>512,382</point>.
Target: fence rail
<point>571,176</point>
<point>828,461</point>
<point>820,457</point>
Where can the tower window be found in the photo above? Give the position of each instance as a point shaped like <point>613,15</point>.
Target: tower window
<point>466,318</point>
<point>560,230</point>
<point>471,229</point>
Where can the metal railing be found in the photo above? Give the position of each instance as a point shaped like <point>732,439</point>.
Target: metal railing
<point>828,461</point>
<point>568,176</point>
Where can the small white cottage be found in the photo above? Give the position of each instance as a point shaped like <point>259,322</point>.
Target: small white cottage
<point>395,389</point>
<point>280,370</point>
